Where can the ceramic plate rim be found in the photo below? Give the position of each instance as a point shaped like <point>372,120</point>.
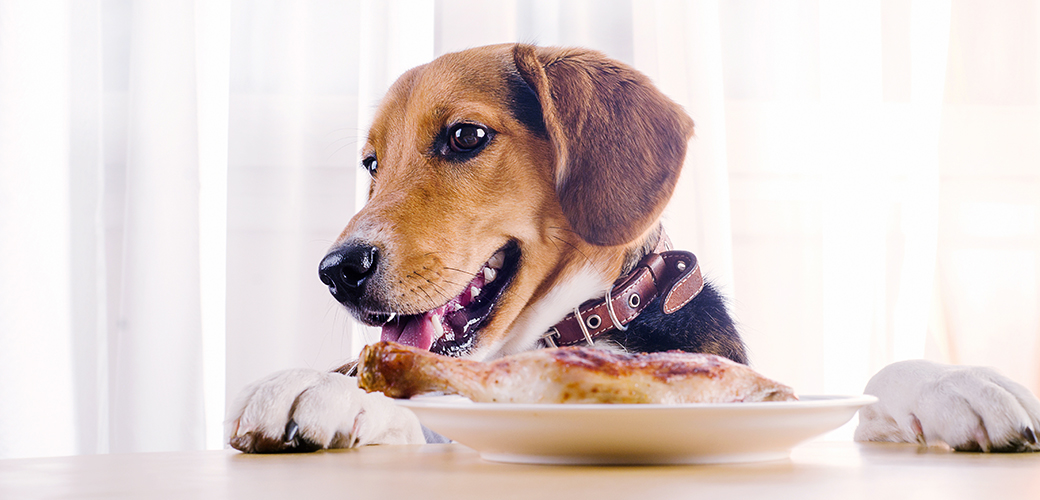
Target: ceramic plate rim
<point>804,401</point>
<point>587,433</point>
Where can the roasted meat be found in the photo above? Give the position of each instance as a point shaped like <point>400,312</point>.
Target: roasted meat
<point>566,375</point>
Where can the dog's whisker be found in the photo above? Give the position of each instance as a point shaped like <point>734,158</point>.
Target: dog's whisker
<point>554,244</point>
<point>350,140</point>
<point>439,288</point>
<point>467,273</point>
<point>423,290</point>
<point>559,228</point>
<point>356,130</point>
<point>331,309</point>
<point>339,149</point>
<point>440,252</point>
<point>586,257</point>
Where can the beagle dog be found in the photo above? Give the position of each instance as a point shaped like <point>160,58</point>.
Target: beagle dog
<point>515,200</point>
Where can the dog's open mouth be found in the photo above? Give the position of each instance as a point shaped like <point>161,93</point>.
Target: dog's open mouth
<point>451,328</point>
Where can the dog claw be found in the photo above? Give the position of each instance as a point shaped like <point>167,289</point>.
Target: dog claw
<point>291,429</point>
<point>243,443</point>
<point>1029,435</point>
<point>915,425</point>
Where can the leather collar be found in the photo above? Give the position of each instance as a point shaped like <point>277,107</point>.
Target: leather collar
<point>674,274</point>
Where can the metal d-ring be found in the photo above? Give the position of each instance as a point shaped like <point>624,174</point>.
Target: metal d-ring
<point>548,337</point>
<point>613,316</point>
<point>581,324</point>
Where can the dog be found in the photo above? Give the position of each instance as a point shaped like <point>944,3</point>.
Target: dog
<point>515,202</point>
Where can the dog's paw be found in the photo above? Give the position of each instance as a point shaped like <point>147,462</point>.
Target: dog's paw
<point>966,408</point>
<point>308,410</point>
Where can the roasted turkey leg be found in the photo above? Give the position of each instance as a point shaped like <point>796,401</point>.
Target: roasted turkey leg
<point>566,375</point>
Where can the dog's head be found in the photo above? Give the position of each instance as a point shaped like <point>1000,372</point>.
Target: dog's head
<point>509,184</point>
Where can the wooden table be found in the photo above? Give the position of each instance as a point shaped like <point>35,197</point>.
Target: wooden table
<point>831,470</point>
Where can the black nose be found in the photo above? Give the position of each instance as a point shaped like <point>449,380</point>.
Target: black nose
<point>346,269</point>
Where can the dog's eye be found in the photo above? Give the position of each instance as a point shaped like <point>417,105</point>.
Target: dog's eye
<point>370,164</point>
<point>466,137</point>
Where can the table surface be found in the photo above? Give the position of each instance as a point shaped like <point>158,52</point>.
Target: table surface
<point>816,469</point>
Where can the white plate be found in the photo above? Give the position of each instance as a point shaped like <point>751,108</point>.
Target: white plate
<point>634,433</point>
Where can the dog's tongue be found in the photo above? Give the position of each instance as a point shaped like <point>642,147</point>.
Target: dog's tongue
<point>454,318</point>
<point>416,331</point>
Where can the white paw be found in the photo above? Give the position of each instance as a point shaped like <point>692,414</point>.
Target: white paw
<point>307,410</point>
<point>966,408</point>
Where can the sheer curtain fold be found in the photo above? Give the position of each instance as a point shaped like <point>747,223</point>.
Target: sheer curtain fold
<point>156,382</point>
<point>36,385</point>
<point>89,280</point>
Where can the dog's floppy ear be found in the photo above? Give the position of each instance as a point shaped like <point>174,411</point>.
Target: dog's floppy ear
<point>620,143</point>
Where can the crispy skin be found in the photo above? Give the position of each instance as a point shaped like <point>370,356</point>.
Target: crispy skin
<point>567,375</point>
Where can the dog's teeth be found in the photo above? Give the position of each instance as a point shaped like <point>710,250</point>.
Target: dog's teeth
<point>496,261</point>
<point>473,292</point>
<point>438,327</point>
<point>489,275</point>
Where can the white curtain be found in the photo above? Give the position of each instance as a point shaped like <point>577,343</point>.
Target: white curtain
<point>864,183</point>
